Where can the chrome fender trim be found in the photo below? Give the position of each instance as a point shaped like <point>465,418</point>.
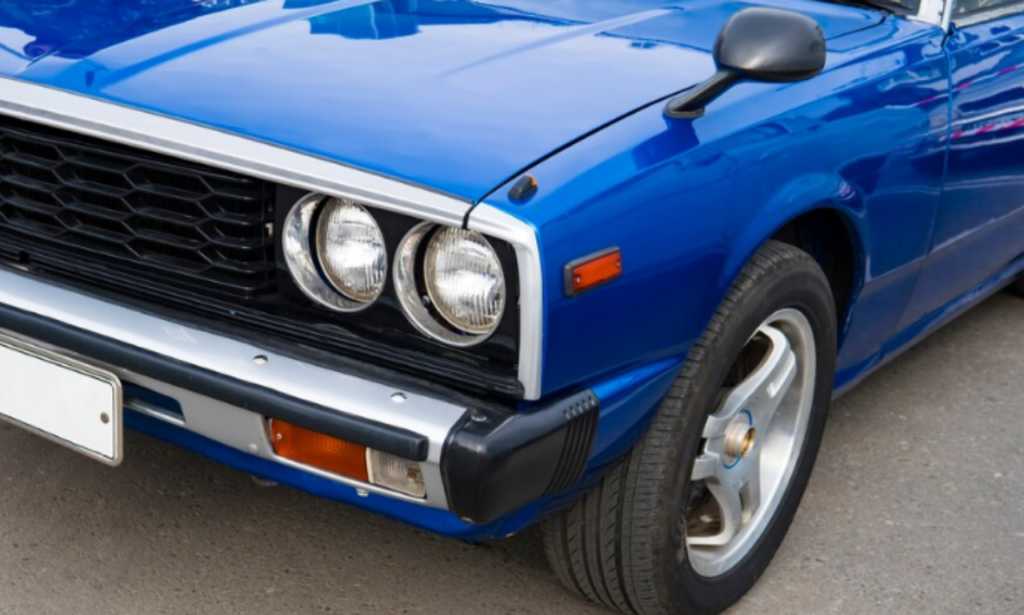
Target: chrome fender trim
<point>492,221</point>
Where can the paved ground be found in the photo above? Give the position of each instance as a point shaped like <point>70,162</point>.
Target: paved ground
<point>917,507</point>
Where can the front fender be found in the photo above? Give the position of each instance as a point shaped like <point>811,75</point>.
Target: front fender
<point>689,202</point>
<point>795,198</point>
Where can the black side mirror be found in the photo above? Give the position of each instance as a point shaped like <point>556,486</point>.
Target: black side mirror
<point>761,44</point>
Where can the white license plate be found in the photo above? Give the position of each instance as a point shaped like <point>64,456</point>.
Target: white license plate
<point>61,399</point>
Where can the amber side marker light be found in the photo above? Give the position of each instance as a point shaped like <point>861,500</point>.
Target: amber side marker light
<point>355,461</point>
<point>592,271</point>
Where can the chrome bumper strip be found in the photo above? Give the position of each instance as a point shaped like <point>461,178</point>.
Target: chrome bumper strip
<point>244,363</point>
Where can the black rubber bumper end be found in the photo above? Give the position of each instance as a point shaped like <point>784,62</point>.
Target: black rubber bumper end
<point>495,462</point>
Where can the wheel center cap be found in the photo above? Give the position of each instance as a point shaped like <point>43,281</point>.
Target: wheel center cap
<point>739,439</point>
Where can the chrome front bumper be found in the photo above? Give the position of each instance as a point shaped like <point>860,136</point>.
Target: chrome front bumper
<point>479,460</point>
<point>422,419</point>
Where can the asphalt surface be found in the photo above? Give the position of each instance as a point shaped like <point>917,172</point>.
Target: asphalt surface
<point>917,507</point>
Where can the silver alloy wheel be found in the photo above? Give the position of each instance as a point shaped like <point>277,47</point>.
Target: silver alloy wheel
<point>751,445</point>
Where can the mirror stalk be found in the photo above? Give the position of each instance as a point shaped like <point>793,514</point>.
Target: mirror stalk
<point>690,104</point>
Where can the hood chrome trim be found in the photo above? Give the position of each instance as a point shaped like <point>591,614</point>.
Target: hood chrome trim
<point>217,148</point>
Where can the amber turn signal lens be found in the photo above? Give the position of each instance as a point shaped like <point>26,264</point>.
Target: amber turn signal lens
<point>319,450</point>
<point>594,270</point>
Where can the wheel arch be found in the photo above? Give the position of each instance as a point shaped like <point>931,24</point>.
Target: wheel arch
<point>824,216</point>
<point>830,238</point>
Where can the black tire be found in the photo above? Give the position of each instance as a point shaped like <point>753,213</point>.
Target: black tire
<point>619,545</point>
<point>1017,287</point>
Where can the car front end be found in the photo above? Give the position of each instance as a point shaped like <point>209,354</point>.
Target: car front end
<point>447,457</point>
<point>446,260</point>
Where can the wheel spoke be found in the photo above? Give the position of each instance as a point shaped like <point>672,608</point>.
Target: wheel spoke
<point>705,467</point>
<point>751,490</point>
<point>717,423</point>
<point>727,495</point>
<point>737,491</point>
<point>763,391</point>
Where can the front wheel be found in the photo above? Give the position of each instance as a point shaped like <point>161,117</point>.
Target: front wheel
<point>688,521</point>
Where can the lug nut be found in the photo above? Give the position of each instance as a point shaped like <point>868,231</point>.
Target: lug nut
<point>739,439</point>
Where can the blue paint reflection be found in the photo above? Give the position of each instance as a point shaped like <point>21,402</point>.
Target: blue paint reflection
<point>388,19</point>
<point>98,24</point>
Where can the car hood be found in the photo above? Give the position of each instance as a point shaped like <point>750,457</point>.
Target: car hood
<point>457,95</point>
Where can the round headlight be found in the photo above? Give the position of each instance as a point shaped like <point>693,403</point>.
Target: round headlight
<point>347,267</point>
<point>464,280</point>
<point>351,251</point>
<point>450,284</point>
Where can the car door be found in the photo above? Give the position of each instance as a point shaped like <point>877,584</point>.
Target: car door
<point>980,226</point>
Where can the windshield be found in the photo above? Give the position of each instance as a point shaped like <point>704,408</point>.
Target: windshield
<point>901,7</point>
<point>969,7</point>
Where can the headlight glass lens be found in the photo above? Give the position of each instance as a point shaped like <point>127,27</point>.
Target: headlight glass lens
<point>351,250</point>
<point>464,280</point>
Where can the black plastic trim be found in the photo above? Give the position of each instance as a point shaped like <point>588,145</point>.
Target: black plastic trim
<point>496,462</point>
<point>235,392</point>
<point>524,188</point>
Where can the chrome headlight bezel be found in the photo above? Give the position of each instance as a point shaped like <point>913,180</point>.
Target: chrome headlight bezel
<point>334,322</point>
<point>410,290</point>
<point>302,256</point>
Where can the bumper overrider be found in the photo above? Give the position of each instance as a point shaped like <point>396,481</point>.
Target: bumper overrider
<point>477,463</point>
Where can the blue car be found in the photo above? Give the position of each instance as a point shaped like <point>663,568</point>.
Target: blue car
<point>479,264</point>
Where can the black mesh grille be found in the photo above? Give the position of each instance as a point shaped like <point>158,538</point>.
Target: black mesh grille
<point>125,212</point>
<point>197,243</point>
